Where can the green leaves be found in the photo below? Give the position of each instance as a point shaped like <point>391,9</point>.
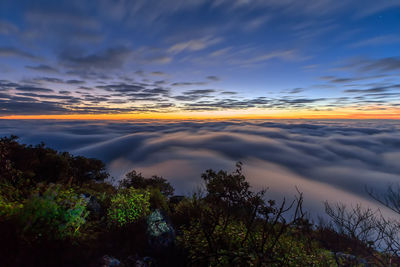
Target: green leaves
<point>56,213</point>
<point>128,206</point>
<point>136,180</point>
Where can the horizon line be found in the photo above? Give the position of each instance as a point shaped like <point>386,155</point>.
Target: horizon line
<point>198,117</point>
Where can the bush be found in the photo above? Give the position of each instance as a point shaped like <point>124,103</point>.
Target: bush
<point>128,206</point>
<point>229,248</point>
<point>233,226</point>
<point>158,200</point>
<point>25,165</point>
<point>8,208</point>
<point>55,213</point>
<point>136,180</point>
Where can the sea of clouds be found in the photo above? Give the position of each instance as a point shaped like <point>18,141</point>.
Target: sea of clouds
<point>332,160</point>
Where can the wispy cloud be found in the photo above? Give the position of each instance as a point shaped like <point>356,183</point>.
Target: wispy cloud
<point>15,52</point>
<point>194,45</point>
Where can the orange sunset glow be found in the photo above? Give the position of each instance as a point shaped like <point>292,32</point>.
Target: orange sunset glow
<point>199,133</point>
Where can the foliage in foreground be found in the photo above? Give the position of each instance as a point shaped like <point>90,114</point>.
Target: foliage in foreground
<point>128,206</point>
<point>57,210</point>
<point>233,226</point>
<point>50,212</point>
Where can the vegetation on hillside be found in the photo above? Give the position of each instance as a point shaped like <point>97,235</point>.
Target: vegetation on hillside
<point>59,210</point>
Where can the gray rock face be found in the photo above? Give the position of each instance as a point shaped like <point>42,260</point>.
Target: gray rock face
<point>161,233</point>
<point>92,205</point>
<point>141,262</point>
<point>107,261</point>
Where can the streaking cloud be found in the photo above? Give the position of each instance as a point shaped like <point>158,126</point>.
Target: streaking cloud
<point>199,59</point>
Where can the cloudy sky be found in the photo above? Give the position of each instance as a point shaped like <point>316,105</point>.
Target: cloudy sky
<point>199,58</point>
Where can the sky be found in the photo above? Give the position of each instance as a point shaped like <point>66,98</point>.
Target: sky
<point>125,59</point>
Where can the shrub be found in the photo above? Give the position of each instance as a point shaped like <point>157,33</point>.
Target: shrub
<point>8,208</point>
<point>234,226</point>
<point>158,200</point>
<point>136,180</point>
<point>25,165</point>
<point>128,206</point>
<point>55,213</point>
<point>229,248</point>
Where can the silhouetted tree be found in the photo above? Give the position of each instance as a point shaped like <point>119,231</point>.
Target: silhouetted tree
<point>27,164</point>
<point>136,180</point>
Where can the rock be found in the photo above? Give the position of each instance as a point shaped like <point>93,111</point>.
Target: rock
<point>161,233</point>
<point>92,205</point>
<point>141,262</point>
<point>107,261</point>
<point>344,259</point>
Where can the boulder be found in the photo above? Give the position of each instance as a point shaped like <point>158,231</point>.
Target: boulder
<point>140,261</point>
<point>161,233</point>
<point>108,261</point>
<point>93,205</point>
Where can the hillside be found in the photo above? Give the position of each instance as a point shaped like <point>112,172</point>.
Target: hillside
<point>57,209</point>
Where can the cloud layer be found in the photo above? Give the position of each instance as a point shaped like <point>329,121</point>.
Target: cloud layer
<point>331,160</point>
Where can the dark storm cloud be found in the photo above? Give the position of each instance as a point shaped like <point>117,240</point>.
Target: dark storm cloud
<point>15,52</point>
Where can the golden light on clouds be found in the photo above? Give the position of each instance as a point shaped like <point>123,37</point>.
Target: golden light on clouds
<point>365,113</point>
